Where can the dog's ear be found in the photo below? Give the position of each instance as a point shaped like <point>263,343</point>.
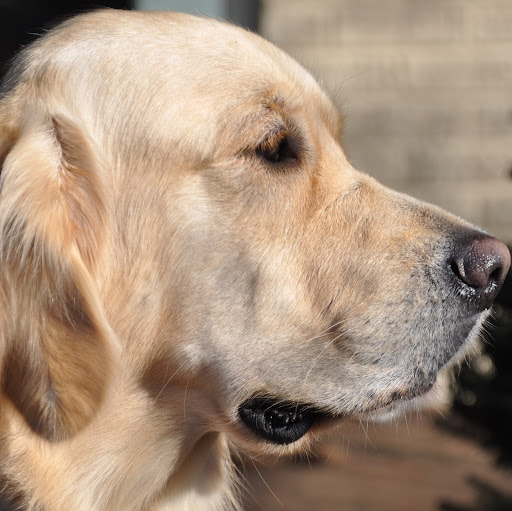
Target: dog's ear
<point>56,349</point>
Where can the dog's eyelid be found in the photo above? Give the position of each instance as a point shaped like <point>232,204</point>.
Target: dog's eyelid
<point>273,138</point>
<point>277,150</point>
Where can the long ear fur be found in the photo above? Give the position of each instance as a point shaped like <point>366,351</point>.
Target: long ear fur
<point>57,352</point>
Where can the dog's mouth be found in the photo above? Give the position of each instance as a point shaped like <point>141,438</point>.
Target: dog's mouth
<point>277,421</point>
<point>285,422</point>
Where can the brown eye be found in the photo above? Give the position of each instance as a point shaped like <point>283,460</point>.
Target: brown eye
<point>278,149</point>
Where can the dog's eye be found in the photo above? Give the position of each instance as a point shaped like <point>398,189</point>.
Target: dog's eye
<point>278,149</point>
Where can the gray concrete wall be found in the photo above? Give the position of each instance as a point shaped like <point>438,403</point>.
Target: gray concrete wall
<point>215,8</point>
<point>242,12</point>
<point>426,87</point>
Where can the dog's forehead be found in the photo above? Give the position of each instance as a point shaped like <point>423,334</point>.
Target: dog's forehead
<point>166,78</point>
<point>174,58</point>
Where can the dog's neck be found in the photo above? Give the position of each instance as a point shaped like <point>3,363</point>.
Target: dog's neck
<point>139,467</point>
<point>204,479</point>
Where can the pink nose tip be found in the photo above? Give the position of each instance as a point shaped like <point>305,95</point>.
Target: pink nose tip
<point>481,264</point>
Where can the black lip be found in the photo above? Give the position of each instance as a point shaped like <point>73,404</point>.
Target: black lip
<point>277,421</point>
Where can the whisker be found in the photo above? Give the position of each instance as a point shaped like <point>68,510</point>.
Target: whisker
<point>185,400</point>
<point>407,425</point>
<point>168,381</point>
<point>265,483</point>
<point>367,437</point>
<point>330,343</point>
<point>323,333</point>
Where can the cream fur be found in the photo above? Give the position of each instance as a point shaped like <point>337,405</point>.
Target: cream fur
<point>157,270</point>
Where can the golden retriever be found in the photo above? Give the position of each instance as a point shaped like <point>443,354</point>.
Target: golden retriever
<point>190,265</point>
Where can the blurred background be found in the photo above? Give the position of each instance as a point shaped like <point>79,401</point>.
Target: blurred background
<point>426,90</point>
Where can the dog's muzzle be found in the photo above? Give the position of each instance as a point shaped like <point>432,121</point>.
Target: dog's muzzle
<point>474,267</point>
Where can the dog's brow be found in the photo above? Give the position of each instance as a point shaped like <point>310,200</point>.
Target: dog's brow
<point>276,100</point>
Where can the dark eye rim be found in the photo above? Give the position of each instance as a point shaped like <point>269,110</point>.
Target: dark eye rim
<point>279,149</point>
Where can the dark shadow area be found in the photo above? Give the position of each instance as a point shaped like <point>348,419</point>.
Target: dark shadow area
<point>21,21</point>
<point>245,13</point>
<point>487,499</point>
<point>482,409</point>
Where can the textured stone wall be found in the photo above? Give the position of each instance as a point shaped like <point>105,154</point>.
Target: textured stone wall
<point>426,88</point>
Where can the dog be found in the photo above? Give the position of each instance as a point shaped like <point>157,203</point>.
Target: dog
<point>190,267</point>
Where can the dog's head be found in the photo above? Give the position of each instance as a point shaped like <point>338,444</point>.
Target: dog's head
<point>178,184</point>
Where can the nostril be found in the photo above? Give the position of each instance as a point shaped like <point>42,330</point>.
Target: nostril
<point>477,270</point>
<point>454,266</point>
<point>458,269</point>
<point>496,274</point>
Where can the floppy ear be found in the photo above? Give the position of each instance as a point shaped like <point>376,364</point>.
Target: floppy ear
<point>57,351</point>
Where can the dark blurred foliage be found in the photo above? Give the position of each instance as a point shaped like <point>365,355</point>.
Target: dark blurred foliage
<point>483,404</point>
<point>21,21</point>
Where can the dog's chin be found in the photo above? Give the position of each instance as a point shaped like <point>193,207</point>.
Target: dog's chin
<point>431,398</point>
<point>281,422</point>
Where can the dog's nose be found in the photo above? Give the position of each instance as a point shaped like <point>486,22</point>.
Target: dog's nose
<point>480,264</point>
